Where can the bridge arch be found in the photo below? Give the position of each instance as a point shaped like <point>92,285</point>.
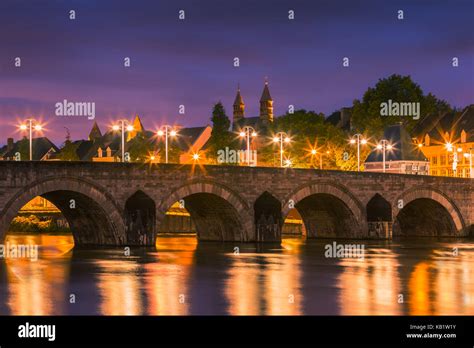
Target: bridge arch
<point>91,212</point>
<point>219,213</point>
<point>140,219</point>
<point>428,212</point>
<point>328,209</point>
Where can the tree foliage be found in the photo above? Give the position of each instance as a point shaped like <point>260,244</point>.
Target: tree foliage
<point>366,112</point>
<point>221,136</point>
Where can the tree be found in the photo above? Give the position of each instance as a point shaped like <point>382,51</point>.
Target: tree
<point>68,150</point>
<point>221,136</point>
<point>366,113</point>
<point>139,148</point>
<point>24,148</point>
<point>308,131</point>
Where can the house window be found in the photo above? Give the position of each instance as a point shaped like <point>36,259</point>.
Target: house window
<point>443,160</point>
<point>434,160</point>
<point>434,172</point>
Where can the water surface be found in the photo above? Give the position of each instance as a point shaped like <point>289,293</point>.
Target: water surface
<point>181,277</point>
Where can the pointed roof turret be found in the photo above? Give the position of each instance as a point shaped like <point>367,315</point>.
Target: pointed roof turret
<point>95,132</point>
<point>137,124</point>
<point>266,93</point>
<point>137,128</point>
<point>238,98</point>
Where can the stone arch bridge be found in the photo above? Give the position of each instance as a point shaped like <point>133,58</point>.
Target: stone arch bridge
<point>125,203</point>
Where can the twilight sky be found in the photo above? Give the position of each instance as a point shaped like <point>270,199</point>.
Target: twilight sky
<point>190,62</point>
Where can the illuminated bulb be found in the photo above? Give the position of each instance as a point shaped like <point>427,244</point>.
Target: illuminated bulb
<point>254,134</point>
<point>276,140</point>
<point>242,134</point>
<point>389,147</point>
<point>313,152</point>
<point>287,140</point>
<point>173,133</point>
<point>129,128</point>
<point>115,127</point>
<point>353,141</point>
<point>195,156</point>
<point>152,158</point>
<point>459,149</point>
<point>467,155</point>
<point>160,133</point>
<point>364,141</point>
<point>23,127</point>
<point>379,147</point>
<point>327,152</point>
<point>420,145</point>
<point>38,127</point>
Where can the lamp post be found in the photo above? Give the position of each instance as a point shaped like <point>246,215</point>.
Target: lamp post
<point>248,131</point>
<point>124,125</point>
<point>279,138</point>
<point>167,131</point>
<point>32,123</point>
<point>384,145</point>
<point>359,141</point>
<point>471,169</point>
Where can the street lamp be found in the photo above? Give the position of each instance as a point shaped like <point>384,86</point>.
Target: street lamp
<point>32,124</point>
<point>248,131</point>
<point>166,130</point>
<point>359,141</point>
<point>279,138</point>
<point>471,169</point>
<point>124,125</point>
<point>384,145</point>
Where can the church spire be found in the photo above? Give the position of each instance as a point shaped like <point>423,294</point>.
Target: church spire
<point>266,104</point>
<point>95,132</point>
<point>239,107</point>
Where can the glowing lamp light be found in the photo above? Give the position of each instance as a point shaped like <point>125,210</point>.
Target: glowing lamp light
<point>459,149</point>
<point>363,141</point>
<point>379,147</point>
<point>389,147</point>
<point>313,152</point>
<point>160,133</point>
<point>38,127</point>
<point>196,156</point>
<point>254,134</point>
<point>173,133</point>
<point>23,127</point>
<point>129,128</point>
<point>353,141</point>
<point>449,146</point>
<point>287,140</point>
<point>152,158</point>
<point>242,134</point>
<point>276,140</point>
<point>420,145</point>
<point>288,162</point>
<point>115,127</point>
<point>467,155</point>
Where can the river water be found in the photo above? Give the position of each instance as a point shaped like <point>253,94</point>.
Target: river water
<point>180,277</point>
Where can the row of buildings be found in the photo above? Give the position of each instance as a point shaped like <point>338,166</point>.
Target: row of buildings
<point>440,144</point>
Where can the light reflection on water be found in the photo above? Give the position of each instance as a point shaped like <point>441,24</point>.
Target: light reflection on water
<point>181,277</point>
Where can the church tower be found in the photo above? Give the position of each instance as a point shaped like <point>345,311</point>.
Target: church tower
<point>239,107</point>
<point>266,105</point>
